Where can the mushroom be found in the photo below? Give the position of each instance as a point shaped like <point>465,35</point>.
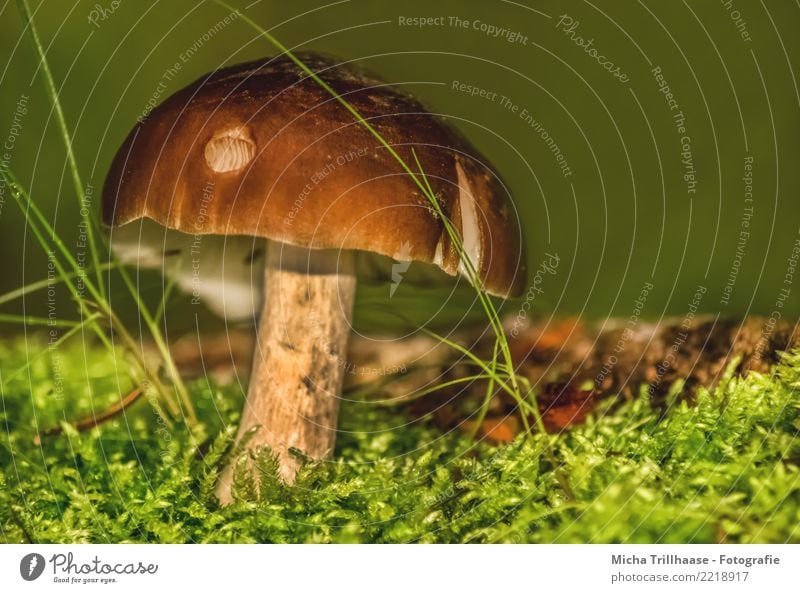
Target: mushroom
<point>256,169</point>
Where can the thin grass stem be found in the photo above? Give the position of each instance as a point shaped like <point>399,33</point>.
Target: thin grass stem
<point>52,93</point>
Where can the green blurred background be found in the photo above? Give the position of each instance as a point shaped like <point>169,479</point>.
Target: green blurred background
<point>623,217</point>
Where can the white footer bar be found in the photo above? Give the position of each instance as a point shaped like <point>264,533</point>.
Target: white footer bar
<point>378,569</point>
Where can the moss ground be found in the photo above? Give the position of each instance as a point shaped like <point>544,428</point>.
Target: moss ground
<point>727,470</point>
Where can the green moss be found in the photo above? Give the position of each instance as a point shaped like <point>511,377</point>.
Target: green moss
<point>726,469</point>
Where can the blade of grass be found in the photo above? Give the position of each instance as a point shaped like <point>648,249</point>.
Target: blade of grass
<point>52,94</point>
<point>36,321</point>
<point>162,303</point>
<point>427,391</point>
<point>475,280</point>
<point>522,403</point>
<point>27,205</point>
<point>20,292</point>
<point>62,338</point>
<point>487,399</point>
<point>537,415</point>
<point>152,326</point>
<point>161,344</point>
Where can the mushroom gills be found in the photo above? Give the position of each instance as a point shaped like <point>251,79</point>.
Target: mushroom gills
<point>222,272</point>
<point>225,273</point>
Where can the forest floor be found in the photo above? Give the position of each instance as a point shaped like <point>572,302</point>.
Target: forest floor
<point>725,468</point>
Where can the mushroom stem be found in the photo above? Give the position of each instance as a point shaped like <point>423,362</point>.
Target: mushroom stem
<point>299,359</point>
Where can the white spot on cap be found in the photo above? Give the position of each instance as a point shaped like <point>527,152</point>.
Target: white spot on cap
<point>230,150</point>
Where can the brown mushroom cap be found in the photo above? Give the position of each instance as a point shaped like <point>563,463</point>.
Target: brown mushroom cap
<point>261,150</point>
